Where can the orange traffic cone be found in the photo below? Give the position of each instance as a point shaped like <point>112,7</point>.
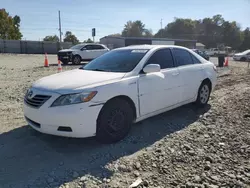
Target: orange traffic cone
<point>59,68</point>
<point>46,61</point>
<point>226,62</point>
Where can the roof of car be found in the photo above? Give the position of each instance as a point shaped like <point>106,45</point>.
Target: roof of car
<point>149,47</point>
<point>91,44</point>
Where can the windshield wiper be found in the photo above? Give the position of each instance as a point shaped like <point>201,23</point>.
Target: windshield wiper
<point>94,69</point>
<point>99,70</point>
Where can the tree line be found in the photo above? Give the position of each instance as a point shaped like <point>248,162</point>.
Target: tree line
<point>209,31</point>
<point>68,37</point>
<point>9,26</point>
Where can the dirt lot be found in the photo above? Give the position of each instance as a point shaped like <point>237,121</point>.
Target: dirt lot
<point>186,147</point>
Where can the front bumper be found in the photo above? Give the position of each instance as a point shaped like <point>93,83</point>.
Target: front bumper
<point>78,120</point>
<point>64,57</point>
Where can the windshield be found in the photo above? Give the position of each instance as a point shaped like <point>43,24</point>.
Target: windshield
<point>78,46</point>
<point>116,61</point>
<point>246,51</point>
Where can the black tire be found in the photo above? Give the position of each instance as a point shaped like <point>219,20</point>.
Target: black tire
<point>114,121</point>
<point>203,94</point>
<point>76,60</point>
<point>243,59</point>
<point>65,62</point>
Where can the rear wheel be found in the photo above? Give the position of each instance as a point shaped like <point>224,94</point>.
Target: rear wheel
<point>76,60</point>
<point>203,94</point>
<point>114,121</point>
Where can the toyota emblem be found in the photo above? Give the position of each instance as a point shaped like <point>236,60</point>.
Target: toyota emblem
<point>29,94</point>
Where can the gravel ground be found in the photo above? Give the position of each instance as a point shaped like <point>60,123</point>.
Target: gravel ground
<point>186,147</point>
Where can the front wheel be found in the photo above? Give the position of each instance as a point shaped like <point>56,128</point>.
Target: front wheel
<point>203,94</point>
<point>114,121</point>
<point>243,59</point>
<point>76,60</point>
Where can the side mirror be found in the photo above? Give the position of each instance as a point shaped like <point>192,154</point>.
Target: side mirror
<point>83,49</point>
<point>152,68</point>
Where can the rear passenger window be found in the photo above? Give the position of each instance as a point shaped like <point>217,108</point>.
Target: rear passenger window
<point>90,47</point>
<point>195,60</point>
<point>163,57</point>
<point>99,47</point>
<point>182,57</point>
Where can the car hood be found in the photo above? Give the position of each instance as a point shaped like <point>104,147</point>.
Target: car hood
<point>70,81</point>
<point>238,54</point>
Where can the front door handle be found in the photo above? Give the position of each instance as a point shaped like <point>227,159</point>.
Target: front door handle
<point>175,73</point>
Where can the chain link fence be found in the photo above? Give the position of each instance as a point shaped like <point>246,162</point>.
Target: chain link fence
<point>32,47</point>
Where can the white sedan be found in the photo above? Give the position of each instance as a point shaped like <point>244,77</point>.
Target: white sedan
<point>126,85</point>
<point>243,56</point>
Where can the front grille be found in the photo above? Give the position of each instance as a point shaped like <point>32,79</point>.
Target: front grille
<point>36,101</point>
<point>63,54</point>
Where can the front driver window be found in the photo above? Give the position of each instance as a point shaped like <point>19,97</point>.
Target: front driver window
<point>163,57</point>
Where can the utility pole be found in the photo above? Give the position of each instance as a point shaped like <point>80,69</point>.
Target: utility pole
<point>161,28</point>
<point>60,28</point>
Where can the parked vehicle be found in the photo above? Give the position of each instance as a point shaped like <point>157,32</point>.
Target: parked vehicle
<point>125,85</point>
<point>202,54</point>
<point>81,52</point>
<point>215,52</point>
<point>243,56</point>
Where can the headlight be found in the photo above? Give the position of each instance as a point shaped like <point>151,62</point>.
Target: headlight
<point>74,98</point>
